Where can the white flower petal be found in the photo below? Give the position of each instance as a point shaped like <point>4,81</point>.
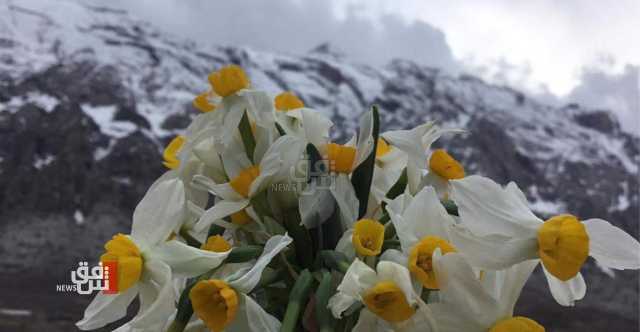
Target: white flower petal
<point>159,213</point>
<point>339,303</point>
<point>451,318</point>
<point>486,208</point>
<point>424,216</point>
<point>248,281</point>
<point>566,292</point>
<point>422,321</point>
<point>365,138</point>
<point>316,127</point>
<point>220,210</point>
<point>359,278</point>
<point>459,287</point>
<point>187,261</point>
<point>234,157</point>
<point>509,284</point>
<point>223,191</point>
<point>261,107</point>
<point>410,141</point>
<point>395,256</point>
<point>250,317</point>
<point>235,107</point>
<point>441,185</point>
<point>157,300</point>
<point>400,275</point>
<point>105,309</point>
<point>280,159</point>
<point>346,198</point>
<point>316,204</point>
<point>264,138</point>
<point>611,246</point>
<point>369,322</point>
<point>494,251</point>
<point>345,245</point>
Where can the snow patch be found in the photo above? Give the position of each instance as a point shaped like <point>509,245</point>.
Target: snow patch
<point>41,162</point>
<point>103,117</point>
<point>78,217</point>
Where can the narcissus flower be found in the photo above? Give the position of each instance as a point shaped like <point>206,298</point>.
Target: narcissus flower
<point>204,102</point>
<point>170,154</point>
<point>216,243</point>
<point>422,225</point>
<point>223,303</point>
<point>146,262</point>
<point>248,179</point>
<point>287,101</point>
<point>388,296</point>
<point>416,143</point>
<point>367,237</point>
<point>500,230</point>
<point>467,304</point>
<point>228,80</point>
<point>342,160</point>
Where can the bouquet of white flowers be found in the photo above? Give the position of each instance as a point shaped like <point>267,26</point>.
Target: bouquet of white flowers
<point>262,223</point>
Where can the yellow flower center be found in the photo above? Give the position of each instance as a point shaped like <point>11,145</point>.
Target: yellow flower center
<point>563,246</point>
<point>216,243</point>
<point>243,181</point>
<point>517,324</point>
<point>241,218</point>
<point>420,259</point>
<point>382,148</point>
<point>340,157</point>
<point>368,236</point>
<point>170,153</point>
<point>215,303</point>
<point>122,251</point>
<point>287,101</point>
<point>387,300</point>
<point>228,80</point>
<point>445,166</point>
<point>201,102</point>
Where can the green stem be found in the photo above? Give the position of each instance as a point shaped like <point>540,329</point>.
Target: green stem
<point>297,300</point>
<point>247,136</point>
<point>325,290</point>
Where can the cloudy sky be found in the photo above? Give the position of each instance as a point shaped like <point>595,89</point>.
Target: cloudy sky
<point>582,51</point>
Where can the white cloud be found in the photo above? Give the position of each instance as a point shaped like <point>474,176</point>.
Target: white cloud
<point>546,48</point>
<point>298,26</point>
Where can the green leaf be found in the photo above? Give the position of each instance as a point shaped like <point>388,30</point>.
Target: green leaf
<point>451,207</point>
<point>280,130</point>
<point>301,238</point>
<point>191,241</point>
<point>244,254</point>
<point>325,290</point>
<point>363,174</point>
<point>247,136</point>
<point>215,230</point>
<point>317,166</point>
<point>398,188</point>
<point>335,260</point>
<point>297,301</point>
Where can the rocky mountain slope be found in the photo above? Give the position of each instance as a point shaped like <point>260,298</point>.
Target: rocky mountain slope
<point>90,95</point>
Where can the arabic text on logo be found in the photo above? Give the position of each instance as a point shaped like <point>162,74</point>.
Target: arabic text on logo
<point>85,280</point>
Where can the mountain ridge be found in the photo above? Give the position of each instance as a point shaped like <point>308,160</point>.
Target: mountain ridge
<point>87,105</point>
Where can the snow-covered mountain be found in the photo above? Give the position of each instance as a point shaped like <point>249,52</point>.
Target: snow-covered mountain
<point>90,95</point>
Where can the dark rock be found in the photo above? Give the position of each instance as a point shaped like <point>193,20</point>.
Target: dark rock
<point>601,121</point>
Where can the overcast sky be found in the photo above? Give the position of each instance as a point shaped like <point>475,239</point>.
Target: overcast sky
<point>574,50</point>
